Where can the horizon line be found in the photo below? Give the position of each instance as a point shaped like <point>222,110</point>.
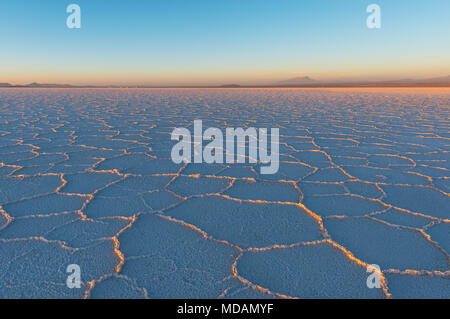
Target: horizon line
<point>301,81</point>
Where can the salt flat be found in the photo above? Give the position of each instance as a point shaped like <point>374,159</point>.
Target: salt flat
<point>86,178</point>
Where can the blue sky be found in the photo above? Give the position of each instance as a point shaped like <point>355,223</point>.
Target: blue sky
<point>221,41</point>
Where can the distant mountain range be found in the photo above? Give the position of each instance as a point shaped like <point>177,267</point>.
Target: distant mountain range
<point>298,81</point>
<point>438,80</point>
<point>36,85</point>
<point>304,81</point>
<point>46,85</point>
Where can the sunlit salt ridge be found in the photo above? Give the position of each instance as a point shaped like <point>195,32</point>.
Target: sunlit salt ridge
<point>86,178</point>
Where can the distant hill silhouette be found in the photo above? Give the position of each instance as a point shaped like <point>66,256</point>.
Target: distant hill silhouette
<point>40,85</point>
<point>298,80</point>
<point>230,86</point>
<point>437,80</point>
<point>2,85</point>
<point>306,81</point>
<point>442,79</point>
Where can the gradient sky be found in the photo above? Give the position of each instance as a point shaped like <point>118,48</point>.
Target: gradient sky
<point>221,41</point>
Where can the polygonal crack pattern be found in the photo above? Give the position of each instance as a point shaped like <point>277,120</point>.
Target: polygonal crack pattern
<point>86,178</point>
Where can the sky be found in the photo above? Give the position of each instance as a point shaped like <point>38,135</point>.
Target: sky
<point>179,42</point>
